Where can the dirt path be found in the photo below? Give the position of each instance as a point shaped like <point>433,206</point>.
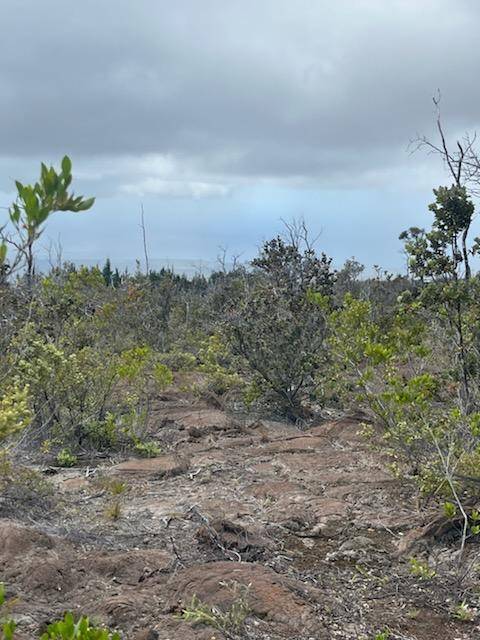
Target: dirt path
<point>311,521</point>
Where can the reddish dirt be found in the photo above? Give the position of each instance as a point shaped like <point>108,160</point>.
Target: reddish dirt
<point>310,522</point>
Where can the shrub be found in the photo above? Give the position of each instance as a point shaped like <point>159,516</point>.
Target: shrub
<point>15,412</point>
<point>177,360</point>
<point>24,492</point>
<point>80,394</point>
<point>216,362</point>
<point>65,458</point>
<point>279,329</point>
<point>69,388</point>
<point>391,370</point>
<point>64,629</point>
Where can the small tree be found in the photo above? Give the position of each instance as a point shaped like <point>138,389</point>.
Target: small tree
<point>107,273</point>
<point>440,253</point>
<point>31,209</point>
<point>462,162</point>
<point>116,279</point>
<point>439,260</point>
<point>279,327</point>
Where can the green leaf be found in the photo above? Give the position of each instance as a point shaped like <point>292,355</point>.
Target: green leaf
<point>86,204</point>
<point>66,165</point>
<point>42,215</point>
<point>15,213</point>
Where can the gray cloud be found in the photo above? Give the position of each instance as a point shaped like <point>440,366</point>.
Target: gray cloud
<point>190,98</point>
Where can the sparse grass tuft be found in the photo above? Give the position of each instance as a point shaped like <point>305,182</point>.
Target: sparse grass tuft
<point>226,621</point>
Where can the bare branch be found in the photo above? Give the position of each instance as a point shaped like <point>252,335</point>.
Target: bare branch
<point>144,237</point>
<point>462,161</point>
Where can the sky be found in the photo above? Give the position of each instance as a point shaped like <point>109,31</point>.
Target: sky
<point>223,117</point>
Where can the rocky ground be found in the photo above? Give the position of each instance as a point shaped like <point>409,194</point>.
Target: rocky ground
<point>310,522</point>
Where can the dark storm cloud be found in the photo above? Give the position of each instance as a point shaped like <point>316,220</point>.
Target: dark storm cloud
<point>207,93</point>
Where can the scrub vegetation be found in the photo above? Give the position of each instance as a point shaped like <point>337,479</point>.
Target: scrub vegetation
<point>88,356</point>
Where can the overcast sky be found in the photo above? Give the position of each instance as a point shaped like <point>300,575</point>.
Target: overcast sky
<point>224,116</point>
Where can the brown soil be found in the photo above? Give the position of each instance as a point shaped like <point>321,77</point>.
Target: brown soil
<point>311,522</point>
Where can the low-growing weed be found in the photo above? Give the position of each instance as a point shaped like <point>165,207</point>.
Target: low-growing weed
<point>148,449</point>
<point>421,569</point>
<point>65,458</point>
<point>463,612</point>
<point>117,489</point>
<point>114,510</point>
<point>233,619</point>
<point>68,629</point>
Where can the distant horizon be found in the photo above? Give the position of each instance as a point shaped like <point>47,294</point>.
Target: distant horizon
<point>180,265</point>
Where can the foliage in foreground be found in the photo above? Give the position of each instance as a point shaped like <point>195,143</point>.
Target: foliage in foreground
<point>231,620</point>
<point>65,629</point>
<point>68,629</point>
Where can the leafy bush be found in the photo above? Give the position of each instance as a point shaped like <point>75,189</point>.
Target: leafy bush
<point>279,329</point>
<point>385,368</point>
<point>64,629</point>
<point>65,458</point>
<point>177,360</point>
<point>421,569</point>
<point>80,394</point>
<point>216,362</point>
<point>69,388</point>
<point>15,412</point>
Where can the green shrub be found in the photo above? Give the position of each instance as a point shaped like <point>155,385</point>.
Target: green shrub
<point>177,360</point>
<point>64,629</point>
<point>69,388</point>
<point>77,395</point>
<point>421,569</point>
<point>148,449</point>
<point>278,329</point>
<point>65,458</point>
<point>215,361</point>
<point>15,411</point>
<point>384,368</point>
